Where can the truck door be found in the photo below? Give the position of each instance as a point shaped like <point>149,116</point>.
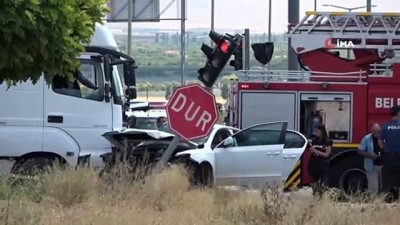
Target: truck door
<point>79,110</point>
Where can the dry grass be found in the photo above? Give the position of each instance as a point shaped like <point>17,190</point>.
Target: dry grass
<point>80,197</point>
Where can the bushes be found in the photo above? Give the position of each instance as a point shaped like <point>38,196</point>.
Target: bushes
<point>148,86</point>
<point>80,197</point>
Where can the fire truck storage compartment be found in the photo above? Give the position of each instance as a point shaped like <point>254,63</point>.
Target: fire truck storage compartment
<point>335,109</point>
<point>264,106</point>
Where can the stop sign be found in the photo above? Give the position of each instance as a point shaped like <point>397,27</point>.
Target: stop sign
<point>192,112</point>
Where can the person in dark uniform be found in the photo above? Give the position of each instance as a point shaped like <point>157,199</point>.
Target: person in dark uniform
<point>320,160</point>
<point>390,142</point>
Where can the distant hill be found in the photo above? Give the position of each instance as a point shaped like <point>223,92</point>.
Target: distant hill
<point>123,26</point>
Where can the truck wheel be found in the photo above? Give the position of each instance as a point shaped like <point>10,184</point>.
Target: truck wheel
<point>33,166</point>
<point>350,179</point>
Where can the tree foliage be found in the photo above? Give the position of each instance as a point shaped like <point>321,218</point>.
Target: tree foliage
<point>225,91</point>
<point>45,36</point>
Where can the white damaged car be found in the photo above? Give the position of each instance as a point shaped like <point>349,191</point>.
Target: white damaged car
<point>253,157</point>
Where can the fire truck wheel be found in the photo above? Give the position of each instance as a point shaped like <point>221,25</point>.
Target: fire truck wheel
<point>351,180</point>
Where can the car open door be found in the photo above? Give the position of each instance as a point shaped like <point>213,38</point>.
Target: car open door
<point>295,144</point>
<point>251,157</point>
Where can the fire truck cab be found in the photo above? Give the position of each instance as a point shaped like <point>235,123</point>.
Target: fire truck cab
<point>347,94</point>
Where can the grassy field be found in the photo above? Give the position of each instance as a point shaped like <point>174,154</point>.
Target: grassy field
<point>71,197</point>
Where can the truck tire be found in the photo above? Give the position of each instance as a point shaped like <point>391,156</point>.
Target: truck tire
<point>349,179</point>
<point>33,166</point>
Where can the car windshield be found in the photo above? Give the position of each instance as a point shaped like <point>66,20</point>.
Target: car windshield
<point>167,129</point>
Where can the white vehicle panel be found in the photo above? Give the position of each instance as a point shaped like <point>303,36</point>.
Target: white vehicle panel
<point>22,105</point>
<point>21,118</point>
<point>84,117</point>
<point>252,166</point>
<point>251,157</point>
<point>51,142</point>
<point>19,140</point>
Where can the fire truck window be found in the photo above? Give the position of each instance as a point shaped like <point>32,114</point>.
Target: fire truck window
<point>294,140</point>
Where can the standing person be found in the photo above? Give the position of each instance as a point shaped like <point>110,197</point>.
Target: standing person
<point>390,142</point>
<point>372,153</point>
<point>320,160</point>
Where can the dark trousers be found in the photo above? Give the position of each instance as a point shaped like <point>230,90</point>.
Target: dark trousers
<point>391,175</point>
<point>320,169</point>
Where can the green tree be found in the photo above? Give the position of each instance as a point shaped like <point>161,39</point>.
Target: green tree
<point>227,78</point>
<point>45,36</point>
<point>168,92</point>
<point>225,91</point>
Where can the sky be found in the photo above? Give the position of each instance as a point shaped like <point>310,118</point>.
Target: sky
<point>252,14</point>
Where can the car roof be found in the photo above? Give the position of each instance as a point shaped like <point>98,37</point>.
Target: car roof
<point>218,126</point>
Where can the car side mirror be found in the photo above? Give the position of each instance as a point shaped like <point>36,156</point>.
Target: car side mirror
<point>227,142</point>
<point>130,74</point>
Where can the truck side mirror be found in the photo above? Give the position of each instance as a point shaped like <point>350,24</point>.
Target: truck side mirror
<point>129,74</point>
<point>131,93</point>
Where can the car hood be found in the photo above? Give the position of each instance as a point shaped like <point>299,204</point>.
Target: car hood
<point>117,138</point>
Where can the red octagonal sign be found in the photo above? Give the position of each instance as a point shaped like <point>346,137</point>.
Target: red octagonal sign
<point>192,112</point>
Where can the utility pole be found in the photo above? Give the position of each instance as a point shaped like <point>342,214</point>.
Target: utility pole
<point>212,19</point>
<point>315,5</point>
<point>129,27</point>
<point>183,42</point>
<point>269,20</point>
<point>369,6</point>
<point>293,18</point>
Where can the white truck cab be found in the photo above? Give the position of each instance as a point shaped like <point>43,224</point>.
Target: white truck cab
<point>65,121</point>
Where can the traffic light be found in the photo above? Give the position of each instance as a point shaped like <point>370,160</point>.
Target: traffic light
<point>263,52</point>
<point>237,63</point>
<point>217,57</point>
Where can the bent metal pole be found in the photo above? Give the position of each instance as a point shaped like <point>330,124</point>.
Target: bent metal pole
<point>167,154</point>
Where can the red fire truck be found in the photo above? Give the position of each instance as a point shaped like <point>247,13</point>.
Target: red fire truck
<point>347,95</point>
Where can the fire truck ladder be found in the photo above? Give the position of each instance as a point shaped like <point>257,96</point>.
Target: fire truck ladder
<point>366,30</point>
<point>263,74</point>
